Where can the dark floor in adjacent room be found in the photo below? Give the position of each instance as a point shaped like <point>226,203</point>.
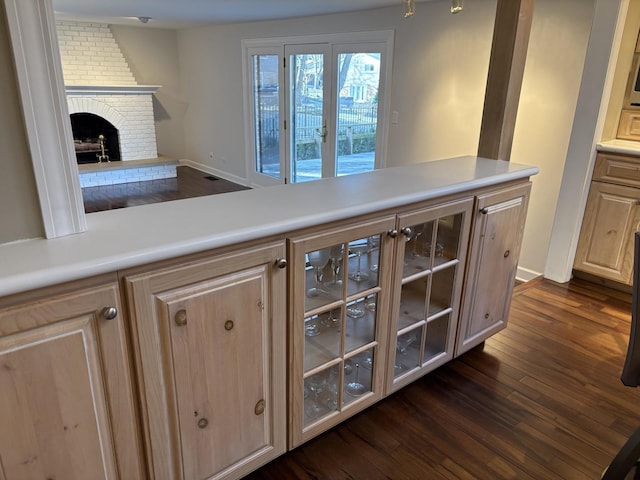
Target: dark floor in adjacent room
<point>188,183</point>
<point>542,400</point>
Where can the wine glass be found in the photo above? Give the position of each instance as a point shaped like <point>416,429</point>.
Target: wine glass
<point>336,256</point>
<point>374,244</point>
<point>331,320</point>
<point>418,230</point>
<point>358,248</point>
<point>355,310</point>
<point>316,384</point>
<point>311,328</point>
<point>355,388</point>
<point>318,259</point>
<point>402,344</point>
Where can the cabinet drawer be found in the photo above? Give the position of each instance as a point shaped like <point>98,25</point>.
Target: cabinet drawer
<point>618,169</point>
<point>629,128</point>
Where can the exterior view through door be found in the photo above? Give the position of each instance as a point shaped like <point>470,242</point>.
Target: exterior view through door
<point>315,111</point>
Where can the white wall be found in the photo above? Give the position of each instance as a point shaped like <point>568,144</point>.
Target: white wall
<point>555,60</point>
<point>152,54</point>
<point>439,76</point>
<point>20,215</point>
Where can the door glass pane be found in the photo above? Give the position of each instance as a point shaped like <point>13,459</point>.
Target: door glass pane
<point>417,249</point>
<point>320,288</point>
<point>266,115</point>
<point>412,302</point>
<point>321,394</point>
<point>357,376</point>
<point>407,352</point>
<point>362,256</point>
<point>358,80</point>
<point>308,132</point>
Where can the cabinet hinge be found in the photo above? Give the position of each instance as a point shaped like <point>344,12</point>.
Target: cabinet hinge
<point>261,305</point>
<point>284,62</point>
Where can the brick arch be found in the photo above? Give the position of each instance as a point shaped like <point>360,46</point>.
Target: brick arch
<point>92,105</point>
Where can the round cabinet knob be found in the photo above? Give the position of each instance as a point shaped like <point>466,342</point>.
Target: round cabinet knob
<point>181,318</point>
<point>109,313</point>
<point>259,408</point>
<point>281,262</point>
<point>203,423</point>
<point>228,325</point>
<point>407,232</point>
<point>484,210</point>
<point>506,254</point>
<point>393,233</point>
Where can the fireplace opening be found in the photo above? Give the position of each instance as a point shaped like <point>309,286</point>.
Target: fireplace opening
<point>95,139</point>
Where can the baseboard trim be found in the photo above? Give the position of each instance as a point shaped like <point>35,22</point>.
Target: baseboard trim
<point>525,275</point>
<point>214,171</point>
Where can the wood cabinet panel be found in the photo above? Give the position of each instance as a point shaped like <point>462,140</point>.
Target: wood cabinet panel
<point>629,127</point>
<point>213,391</point>
<point>219,368</point>
<point>605,247</point>
<point>618,169</point>
<point>495,248</point>
<point>66,404</point>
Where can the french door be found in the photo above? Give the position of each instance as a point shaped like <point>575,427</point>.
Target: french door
<point>315,110</point>
<point>308,154</point>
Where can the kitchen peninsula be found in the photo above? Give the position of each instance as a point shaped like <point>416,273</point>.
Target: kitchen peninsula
<point>318,300</point>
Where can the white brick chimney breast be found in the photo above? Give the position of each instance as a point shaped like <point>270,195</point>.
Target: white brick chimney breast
<point>98,81</point>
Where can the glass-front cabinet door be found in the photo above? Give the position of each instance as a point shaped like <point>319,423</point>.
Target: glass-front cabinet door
<point>429,270</point>
<point>339,327</point>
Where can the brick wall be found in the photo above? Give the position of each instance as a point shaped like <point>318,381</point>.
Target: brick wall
<point>91,57</point>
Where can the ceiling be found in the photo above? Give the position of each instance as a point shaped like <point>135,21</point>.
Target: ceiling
<point>185,13</point>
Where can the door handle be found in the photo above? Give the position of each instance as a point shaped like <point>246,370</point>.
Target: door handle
<point>323,133</point>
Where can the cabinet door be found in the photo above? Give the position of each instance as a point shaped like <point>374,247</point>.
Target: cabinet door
<point>430,261</point>
<point>495,247</point>
<point>612,216</point>
<point>338,329</point>
<point>66,406</point>
<point>212,348</point>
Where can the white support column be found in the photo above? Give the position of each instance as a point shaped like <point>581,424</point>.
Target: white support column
<point>39,71</point>
<point>593,98</point>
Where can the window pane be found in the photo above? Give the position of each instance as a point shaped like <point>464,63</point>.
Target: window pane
<point>307,97</point>
<point>358,84</point>
<point>266,121</point>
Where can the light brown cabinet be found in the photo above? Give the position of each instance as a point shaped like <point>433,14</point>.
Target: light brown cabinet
<point>496,237</point>
<point>429,269</point>
<point>340,278</point>
<point>211,341</point>
<point>612,216</point>
<point>66,403</point>
<point>245,351</point>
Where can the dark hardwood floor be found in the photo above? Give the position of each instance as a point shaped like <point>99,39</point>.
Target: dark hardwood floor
<point>189,183</point>
<point>542,400</point>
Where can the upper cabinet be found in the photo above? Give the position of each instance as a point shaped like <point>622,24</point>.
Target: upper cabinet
<point>211,344</point>
<point>66,402</point>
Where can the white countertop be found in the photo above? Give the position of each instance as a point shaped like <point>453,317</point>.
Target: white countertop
<point>628,147</point>
<point>124,238</point>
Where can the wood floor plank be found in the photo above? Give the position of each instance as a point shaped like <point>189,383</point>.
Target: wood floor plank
<point>542,400</point>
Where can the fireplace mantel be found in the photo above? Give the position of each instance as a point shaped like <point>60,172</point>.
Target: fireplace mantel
<point>111,89</point>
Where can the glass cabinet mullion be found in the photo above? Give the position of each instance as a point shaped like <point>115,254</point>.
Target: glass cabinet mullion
<point>429,279</point>
<point>342,275</point>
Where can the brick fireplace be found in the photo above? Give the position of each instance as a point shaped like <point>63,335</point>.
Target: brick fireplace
<point>98,81</point>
